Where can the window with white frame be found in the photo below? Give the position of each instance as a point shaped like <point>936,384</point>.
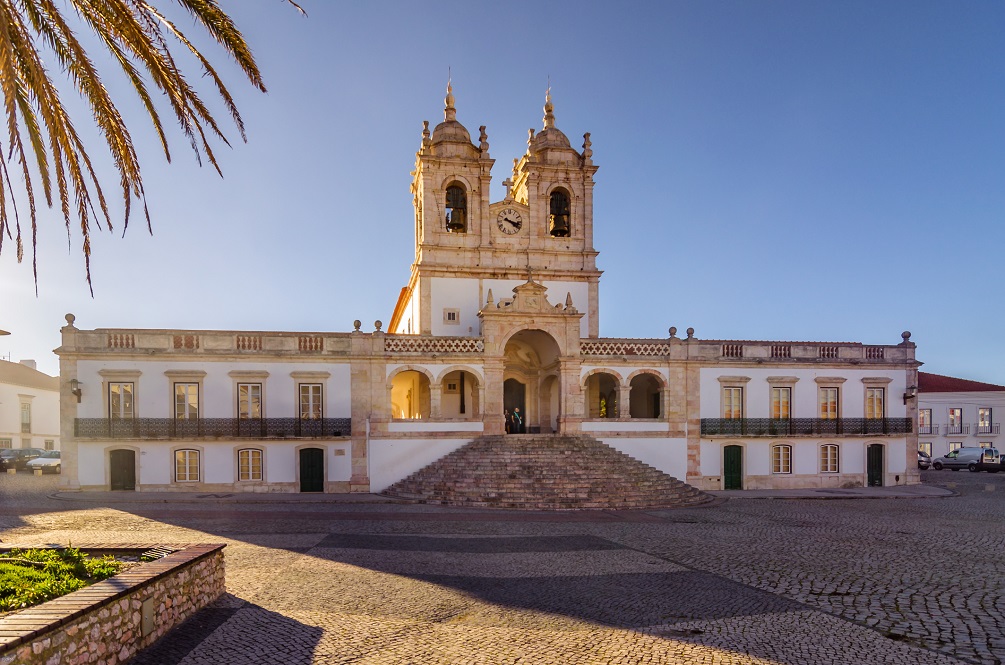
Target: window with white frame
<point>6,443</point>
<point>781,459</point>
<point>120,400</point>
<point>984,420</point>
<point>829,461</point>
<point>249,400</point>
<point>829,402</point>
<point>186,401</point>
<point>985,444</point>
<point>925,447</point>
<point>732,402</point>
<point>955,445</point>
<point>781,401</point>
<point>25,417</point>
<point>874,402</point>
<point>955,425</point>
<point>310,401</point>
<point>249,461</point>
<point>50,444</point>
<point>925,421</point>
<point>186,466</point>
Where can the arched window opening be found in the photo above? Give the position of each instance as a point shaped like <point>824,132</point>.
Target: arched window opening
<point>459,395</point>
<point>645,397</point>
<point>558,219</point>
<point>410,395</point>
<point>602,396</point>
<point>457,209</point>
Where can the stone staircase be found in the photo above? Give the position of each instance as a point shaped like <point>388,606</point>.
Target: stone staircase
<point>544,472</point>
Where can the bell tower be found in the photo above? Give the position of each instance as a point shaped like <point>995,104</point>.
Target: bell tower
<point>466,245</point>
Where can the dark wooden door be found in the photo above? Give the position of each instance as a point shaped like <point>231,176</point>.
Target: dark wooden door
<point>123,469</point>
<point>514,394</point>
<point>732,468</point>
<point>875,465</point>
<point>312,470</point>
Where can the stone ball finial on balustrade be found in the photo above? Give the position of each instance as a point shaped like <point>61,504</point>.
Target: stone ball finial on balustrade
<point>377,324</point>
<point>906,335</point>
<point>673,331</point>
<point>70,318</point>
<point>356,324</point>
<point>690,333</point>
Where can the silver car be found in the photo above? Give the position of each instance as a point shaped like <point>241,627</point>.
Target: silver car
<point>49,461</point>
<point>972,459</point>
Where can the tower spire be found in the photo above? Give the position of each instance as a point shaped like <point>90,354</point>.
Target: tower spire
<point>549,108</point>
<point>449,112</point>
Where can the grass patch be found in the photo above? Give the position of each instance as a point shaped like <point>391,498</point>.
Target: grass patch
<point>30,577</point>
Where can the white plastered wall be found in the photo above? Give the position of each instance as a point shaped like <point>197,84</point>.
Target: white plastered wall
<point>391,460</point>
<point>667,455</point>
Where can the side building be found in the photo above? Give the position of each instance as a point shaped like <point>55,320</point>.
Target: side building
<point>29,407</point>
<point>958,413</point>
<point>500,315</point>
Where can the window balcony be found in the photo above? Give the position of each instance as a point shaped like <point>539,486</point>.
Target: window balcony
<point>987,428</point>
<point>957,429</point>
<point>210,428</point>
<point>928,429</point>
<point>771,427</point>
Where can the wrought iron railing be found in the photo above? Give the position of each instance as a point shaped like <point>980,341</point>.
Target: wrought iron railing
<point>987,428</point>
<point>804,426</point>
<point>928,429</point>
<point>957,429</point>
<point>225,428</point>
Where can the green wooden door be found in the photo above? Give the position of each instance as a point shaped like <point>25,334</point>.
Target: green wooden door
<point>875,465</point>
<point>312,470</point>
<point>122,465</point>
<point>732,467</point>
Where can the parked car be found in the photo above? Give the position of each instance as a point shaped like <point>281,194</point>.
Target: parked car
<point>49,461</point>
<point>924,460</point>
<point>18,458</point>
<point>972,459</point>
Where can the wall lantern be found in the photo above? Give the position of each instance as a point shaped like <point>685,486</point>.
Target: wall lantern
<point>75,389</point>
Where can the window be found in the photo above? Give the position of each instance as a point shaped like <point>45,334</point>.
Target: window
<point>457,209</point>
<point>6,443</point>
<point>925,421</point>
<point>781,459</point>
<point>186,466</point>
<point>25,418</point>
<point>925,447</point>
<point>732,403</point>
<point>781,399</point>
<point>984,421</point>
<point>874,402</point>
<point>452,317</point>
<point>955,421</point>
<point>186,401</point>
<point>50,444</point>
<point>310,401</point>
<point>249,463</point>
<point>829,403</point>
<point>829,458</point>
<point>955,445</point>
<point>558,219</point>
<point>120,401</point>
<point>249,400</point>
<point>984,444</point>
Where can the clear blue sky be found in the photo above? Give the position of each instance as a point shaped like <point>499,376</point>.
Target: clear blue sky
<point>768,170</point>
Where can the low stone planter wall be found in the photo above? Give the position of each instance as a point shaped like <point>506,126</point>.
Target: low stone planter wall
<point>110,621</point>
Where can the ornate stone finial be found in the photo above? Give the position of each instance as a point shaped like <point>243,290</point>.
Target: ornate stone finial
<point>425,133</point>
<point>673,331</point>
<point>515,162</point>
<point>530,275</point>
<point>449,112</point>
<point>70,318</point>
<point>587,149</point>
<point>690,333</point>
<point>376,325</point>
<point>530,137</point>
<point>490,300</point>
<point>356,324</point>
<point>549,110</point>
<point>568,299</point>
<point>483,139</point>
<point>906,335</point>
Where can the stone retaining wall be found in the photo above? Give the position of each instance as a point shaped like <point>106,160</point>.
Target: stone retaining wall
<point>110,621</point>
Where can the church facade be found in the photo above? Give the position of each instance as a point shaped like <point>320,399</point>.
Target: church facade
<point>497,331</point>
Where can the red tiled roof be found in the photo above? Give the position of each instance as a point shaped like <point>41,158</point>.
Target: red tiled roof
<point>936,383</point>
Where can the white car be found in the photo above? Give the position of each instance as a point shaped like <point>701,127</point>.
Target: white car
<point>49,461</point>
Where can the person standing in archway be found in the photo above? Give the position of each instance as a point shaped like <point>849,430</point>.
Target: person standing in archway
<point>517,421</point>
<point>509,421</point>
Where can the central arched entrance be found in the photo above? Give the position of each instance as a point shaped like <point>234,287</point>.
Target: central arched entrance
<point>531,380</point>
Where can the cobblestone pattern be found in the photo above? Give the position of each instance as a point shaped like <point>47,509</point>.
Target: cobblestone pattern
<point>749,581</point>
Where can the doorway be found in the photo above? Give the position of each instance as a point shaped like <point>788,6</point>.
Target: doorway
<point>312,470</point>
<point>122,464</point>
<point>515,397</point>
<point>732,468</point>
<point>874,466</point>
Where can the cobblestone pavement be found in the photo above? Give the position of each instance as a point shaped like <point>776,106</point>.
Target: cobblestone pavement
<point>746,581</point>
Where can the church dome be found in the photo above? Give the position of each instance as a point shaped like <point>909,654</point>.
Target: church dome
<point>450,130</point>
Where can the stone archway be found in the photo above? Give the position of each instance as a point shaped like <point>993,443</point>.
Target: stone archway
<point>532,358</point>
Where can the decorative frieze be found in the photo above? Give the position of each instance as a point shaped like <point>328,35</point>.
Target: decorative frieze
<point>624,348</point>
<point>416,344</point>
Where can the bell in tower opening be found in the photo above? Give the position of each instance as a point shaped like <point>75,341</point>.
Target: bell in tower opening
<point>457,209</point>
<point>558,220</point>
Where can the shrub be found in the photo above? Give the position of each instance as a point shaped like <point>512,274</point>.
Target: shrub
<point>30,577</point>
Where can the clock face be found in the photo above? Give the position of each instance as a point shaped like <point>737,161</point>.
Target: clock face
<point>509,221</point>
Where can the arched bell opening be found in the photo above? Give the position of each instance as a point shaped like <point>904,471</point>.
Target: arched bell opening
<point>559,223</point>
<point>602,395</point>
<point>645,398</point>
<point>531,380</point>
<point>410,395</point>
<point>457,209</point>
<point>459,396</point>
